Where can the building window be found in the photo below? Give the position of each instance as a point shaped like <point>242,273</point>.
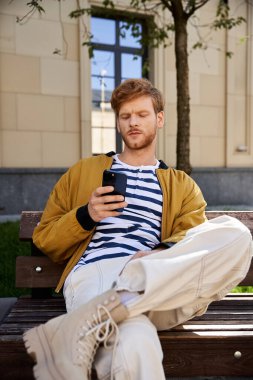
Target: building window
<point>115,59</point>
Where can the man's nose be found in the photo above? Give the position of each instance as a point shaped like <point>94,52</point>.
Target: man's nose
<point>133,120</point>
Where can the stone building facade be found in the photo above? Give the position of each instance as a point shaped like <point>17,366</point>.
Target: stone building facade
<point>46,112</point>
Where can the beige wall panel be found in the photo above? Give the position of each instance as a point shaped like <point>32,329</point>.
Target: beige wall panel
<point>212,91</point>
<point>68,6</point>
<point>194,84</point>
<point>7,33</point>
<point>170,144</point>
<point>200,27</point>
<point>207,151</point>
<point>8,111</point>
<point>162,81</point>
<point>72,114</point>
<point>19,73</point>
<point>170,124</point>
<point>250,85</point>
<point>207,121</point>
<point>206,18</point>
<point>236,117</point>
<point>171,87</point>
<point>60,149</point>
<point>57,10</point>
<point>212,151</point>
<point>18,8</point>
<point>59,77</point>
<point>54,10</point>
<point>237,67</point>
<point>71,47</point>
<point>239,121</point>
<point>241,159</point>
<point>21,149</point>
<point>170,58</point>
<point>205,61</point>
<point>239,8</point>
<point>195,151</point>
<point>39,38</point>
<point>86,137</point>
<point>239,88</point>
<point>40,113</point>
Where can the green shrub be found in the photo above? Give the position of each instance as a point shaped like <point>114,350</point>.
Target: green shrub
<point>10,248</point>
<point>243,289</point>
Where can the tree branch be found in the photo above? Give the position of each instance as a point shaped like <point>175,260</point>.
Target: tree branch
<point>195,7</point>
<point>167,4</point>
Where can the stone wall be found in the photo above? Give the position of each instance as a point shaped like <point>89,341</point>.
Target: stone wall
<point>28,189</point>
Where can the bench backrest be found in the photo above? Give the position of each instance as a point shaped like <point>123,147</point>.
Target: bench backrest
<point>38,271</point>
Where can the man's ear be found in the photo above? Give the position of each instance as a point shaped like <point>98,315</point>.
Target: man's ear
<point>160,119</point>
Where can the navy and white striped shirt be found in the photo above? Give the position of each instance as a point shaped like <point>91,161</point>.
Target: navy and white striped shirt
<point>138,227</point>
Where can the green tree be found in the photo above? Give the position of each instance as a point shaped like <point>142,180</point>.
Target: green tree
<point>159,33</point>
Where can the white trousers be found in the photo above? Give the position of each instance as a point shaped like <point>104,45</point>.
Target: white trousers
<point>174,285</point>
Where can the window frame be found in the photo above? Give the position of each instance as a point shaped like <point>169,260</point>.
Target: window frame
<point>118,49</point>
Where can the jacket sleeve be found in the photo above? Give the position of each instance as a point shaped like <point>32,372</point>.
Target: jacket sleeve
<point>60,232</point>
<point>190,208</point>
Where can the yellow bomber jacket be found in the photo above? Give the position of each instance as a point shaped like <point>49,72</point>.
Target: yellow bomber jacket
<point>66,229</point>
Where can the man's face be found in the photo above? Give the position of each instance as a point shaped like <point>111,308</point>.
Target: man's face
<point>138,123</point>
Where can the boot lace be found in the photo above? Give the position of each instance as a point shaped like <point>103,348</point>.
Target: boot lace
<point>95,332</point>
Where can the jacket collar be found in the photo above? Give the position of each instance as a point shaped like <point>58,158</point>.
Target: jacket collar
<point>162,164</point>
<point>110,154</point>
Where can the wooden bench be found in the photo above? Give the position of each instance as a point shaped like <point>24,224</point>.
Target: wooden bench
<point>219,343</point>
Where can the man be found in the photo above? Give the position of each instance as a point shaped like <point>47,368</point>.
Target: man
<point>152,266</point>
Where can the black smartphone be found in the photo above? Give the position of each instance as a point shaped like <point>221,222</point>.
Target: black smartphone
<point>118,181</point>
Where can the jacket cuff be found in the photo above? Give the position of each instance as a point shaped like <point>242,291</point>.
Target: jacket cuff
<point>165,245</point>
<point>84,219</point>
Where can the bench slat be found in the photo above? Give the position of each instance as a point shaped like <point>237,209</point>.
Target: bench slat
<point>28,277</point>
<point>192,355</point>
<point>182,357</point>
<point>23,311</point>
<point>30,219</point>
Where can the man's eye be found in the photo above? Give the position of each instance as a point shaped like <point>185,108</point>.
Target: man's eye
<point>124,117</point>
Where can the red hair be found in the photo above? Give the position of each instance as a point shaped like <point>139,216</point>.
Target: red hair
<point>134,88</point>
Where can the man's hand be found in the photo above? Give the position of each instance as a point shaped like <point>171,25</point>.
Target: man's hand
<point>140,254</point>
<point>99,207</point>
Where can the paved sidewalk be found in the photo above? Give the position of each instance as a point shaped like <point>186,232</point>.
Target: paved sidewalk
<point>9,218</point>
<point>230,208</point>
<point>5,305</point>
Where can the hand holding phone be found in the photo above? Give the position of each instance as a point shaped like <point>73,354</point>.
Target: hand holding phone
<point>118,181</point>
<point>98,209</point>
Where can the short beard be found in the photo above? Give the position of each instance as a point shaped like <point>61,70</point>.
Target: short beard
<point>142,145</point>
